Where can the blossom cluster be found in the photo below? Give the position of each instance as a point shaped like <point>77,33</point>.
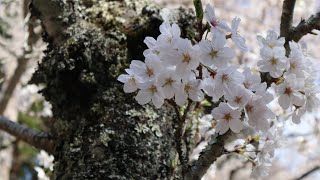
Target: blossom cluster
<point>172,69</point>
<point>178,69</point>
<point>297,90</point>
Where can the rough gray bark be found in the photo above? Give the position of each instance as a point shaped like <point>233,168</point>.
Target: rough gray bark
<point>101,132</point>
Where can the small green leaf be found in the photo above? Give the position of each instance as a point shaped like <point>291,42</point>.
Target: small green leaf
<point>199,11</point>
<point>206,103</point>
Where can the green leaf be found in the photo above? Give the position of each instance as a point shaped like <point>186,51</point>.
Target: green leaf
<point>199,11</point>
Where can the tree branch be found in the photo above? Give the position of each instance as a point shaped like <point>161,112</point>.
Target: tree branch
<point>15,79</point>
<point>286,17</point>
<point>22,62</point>
<point>40,140</point>
<point>286,22</point>
<point>305,27</point>
<point>208,156</point>
<point>308,173</point>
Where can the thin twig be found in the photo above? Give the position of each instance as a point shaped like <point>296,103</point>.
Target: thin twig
<point>40,140</point>
<point>21,67</point>
<point>179,126</point>
<point>308,173</point>
<point>15,79</point>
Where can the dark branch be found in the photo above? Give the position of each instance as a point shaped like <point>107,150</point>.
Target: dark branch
<point>308,173</point>
<point>286,22</point>
<point>286,17</point>
<point>15,79</point>
<point>208,156</point>
<point>303,28</point>
<point>306,27</point>
<point>40,140</point>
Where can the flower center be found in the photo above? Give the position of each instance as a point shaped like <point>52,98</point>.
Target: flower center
<point>293,66</point>
<point>288,91</point>
<point>249,108</point>
<point>132,80</point>
<point>271,45</point>
<point>274,61</point>
<point>225,77</point>
<point>186,58</point>
<point>238,99</point>
<point>169,82</point>
<point>227,117</point>
<point>213,54</point>
<point>187,87</point>
<point>149,72</point>
<point>153,89</point>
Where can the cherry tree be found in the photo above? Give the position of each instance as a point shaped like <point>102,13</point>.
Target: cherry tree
<point>134,95</point>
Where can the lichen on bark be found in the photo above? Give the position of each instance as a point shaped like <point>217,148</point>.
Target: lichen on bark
<point>102,132</point>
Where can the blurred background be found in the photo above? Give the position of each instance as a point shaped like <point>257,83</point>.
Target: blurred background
<point>21,48</point>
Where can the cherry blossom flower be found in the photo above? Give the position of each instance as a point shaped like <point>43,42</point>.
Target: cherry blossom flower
<point>130,81</point>
<point>271,41</point>
<point>170,83</point>
<point>214,52</point>
<point>214,22</point>
<point>190,88</point>
<point>227,118</point>
<point>226,79</point>
<point>169,33</point>
<point>238,97</point>
<point>186,57</point>
<point>298,63</point>
<point>251,81</point>
<point>273,61</point>
<point>150,91</point>
<point>153,46</point>
<point>258,114</point>
<point>238,40</point>
<point>312,98</point>
<point>289,92</point>
<point>148,70</point>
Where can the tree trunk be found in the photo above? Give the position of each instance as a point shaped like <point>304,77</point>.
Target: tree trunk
<point>102,132</point>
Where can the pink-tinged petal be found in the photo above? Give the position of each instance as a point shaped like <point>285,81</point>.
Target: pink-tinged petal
<point>223,25</point>
<point>284,101</point>
<point>218,39</point>
<point>235,23</point>
<point>176,30</point>
<point>129,87</point>
<point>150,42</point>
<point>298,99</point>
<point>236,125</point>
<point>222,127</point>
<point>209,14</point>
<point>165,28</point>
<point>180,98</point>
<point>239,41</point>
<point>143,97</point>
<point>226,53</point>
<point>263,125</point>
<point>157,100</point>
<point>123,78</point>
